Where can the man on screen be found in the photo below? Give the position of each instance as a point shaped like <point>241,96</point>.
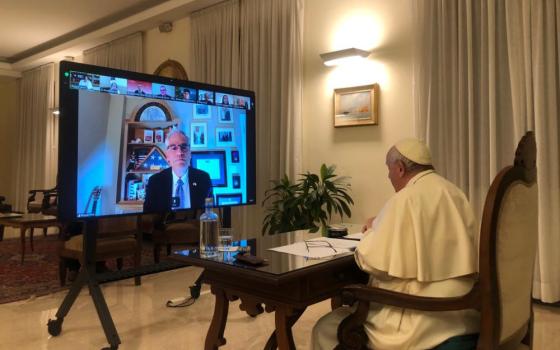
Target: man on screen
<point>139,90</point>
<point>180,186</point>
<point>163,92</point>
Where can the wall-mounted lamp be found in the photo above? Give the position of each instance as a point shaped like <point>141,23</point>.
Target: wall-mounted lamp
<point>54,110</point>
<point>343,56</point>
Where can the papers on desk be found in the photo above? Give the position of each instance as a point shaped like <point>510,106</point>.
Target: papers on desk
<point>317,248</point>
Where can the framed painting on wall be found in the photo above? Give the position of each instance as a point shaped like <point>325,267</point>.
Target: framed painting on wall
<point>355,106</point>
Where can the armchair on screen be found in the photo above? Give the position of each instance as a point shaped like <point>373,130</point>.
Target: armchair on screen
<point>508,241</point>
<point>117,237</point>
<point>176,228</point>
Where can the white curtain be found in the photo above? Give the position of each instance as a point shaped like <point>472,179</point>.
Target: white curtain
<point>215,44</point>
<point>270,63</point>
<point>124,53</point>
<point>37,134</point>
<point>486,71</point>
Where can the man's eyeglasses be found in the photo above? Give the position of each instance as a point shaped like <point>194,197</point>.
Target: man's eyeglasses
<point>183,146</point>
<point>319,244</point>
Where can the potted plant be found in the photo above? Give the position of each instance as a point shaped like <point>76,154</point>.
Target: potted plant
<point>307,204</point>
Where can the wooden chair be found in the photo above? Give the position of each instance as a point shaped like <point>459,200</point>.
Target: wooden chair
<point>117,237</point>
<point>508,241</point>
<point>48,205</point>
<point>180,228</point>
<point>4,207</point>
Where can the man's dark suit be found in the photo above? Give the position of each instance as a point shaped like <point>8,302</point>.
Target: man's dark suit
<point>160,187</point>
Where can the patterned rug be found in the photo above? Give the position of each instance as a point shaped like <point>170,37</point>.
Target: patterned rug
<point>39,274</point>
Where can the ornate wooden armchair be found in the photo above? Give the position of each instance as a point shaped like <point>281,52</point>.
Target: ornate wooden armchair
<point>48,205</point>
<point>508,241</point>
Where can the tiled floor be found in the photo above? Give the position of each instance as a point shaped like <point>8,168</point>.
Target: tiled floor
<point>143,321</point>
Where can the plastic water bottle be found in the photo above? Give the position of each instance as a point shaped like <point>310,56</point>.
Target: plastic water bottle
<point>209,224</point>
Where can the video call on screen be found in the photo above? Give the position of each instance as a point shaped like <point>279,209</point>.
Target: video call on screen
<point>122,128</point>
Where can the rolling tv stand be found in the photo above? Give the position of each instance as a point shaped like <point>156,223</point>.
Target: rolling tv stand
<point>88,276</point>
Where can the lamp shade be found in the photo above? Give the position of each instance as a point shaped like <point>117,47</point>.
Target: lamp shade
<point>343,56</point>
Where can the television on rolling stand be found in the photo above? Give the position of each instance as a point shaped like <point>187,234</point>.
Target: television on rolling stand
<point>113,130</point>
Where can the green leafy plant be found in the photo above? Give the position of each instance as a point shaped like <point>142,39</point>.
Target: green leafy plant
<point>307,204</point>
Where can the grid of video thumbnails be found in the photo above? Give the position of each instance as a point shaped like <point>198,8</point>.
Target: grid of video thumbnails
<point>120,86</point>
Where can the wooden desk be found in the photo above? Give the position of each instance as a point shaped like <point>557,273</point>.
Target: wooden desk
<point>287,286</point>
<point>25,222</point>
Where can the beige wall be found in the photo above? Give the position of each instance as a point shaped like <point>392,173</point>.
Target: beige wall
<point>384,27</point>
<point>8,123</point>
<point>159,47</point>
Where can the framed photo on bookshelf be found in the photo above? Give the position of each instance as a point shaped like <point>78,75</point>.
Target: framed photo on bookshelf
<point>199,136</point>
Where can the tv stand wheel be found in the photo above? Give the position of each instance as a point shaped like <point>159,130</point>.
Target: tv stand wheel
<point>113,347</point>
<point>55,326</point>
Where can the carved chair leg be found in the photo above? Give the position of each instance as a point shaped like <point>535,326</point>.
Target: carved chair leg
<point>351,333</point>
<point>45,231</point>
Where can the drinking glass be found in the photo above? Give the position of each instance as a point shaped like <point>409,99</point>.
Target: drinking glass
<point>225,239</point>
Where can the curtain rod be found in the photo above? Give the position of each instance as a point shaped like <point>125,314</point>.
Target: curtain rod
<point>213,7</point>
<point>41,66</point>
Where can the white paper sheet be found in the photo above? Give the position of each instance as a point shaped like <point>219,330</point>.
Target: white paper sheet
<point>318,248</point>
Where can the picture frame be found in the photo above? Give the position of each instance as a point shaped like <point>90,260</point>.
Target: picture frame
<point>202,111</point>
<point>225,137</point>
<point>356,106</point>
<point>199,135</point>
<point>225,115</point>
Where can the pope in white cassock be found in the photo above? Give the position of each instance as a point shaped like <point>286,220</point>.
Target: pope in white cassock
<point>424,243</point>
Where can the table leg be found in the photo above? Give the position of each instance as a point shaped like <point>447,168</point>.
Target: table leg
<point>1,233</point>
<point>215,337</point>
<point>285,318</point>
<point>22,234</point>
<point>31,238</point>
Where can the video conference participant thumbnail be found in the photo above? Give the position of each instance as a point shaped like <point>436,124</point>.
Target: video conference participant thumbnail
<point>113,85</point>
<point>224,100</point>
<point>185,94</point>
<point>84,81</point>
<point>163,91</point>
<point>180,186</point>
<point>206,97</point>
<point>139,88</point>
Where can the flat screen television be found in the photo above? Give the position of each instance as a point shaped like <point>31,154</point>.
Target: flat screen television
<point>129,140</point>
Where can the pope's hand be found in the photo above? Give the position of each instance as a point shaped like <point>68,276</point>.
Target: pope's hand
<point>368,223</point>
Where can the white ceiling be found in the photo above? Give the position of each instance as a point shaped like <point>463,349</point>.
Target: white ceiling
<point>35,32</point>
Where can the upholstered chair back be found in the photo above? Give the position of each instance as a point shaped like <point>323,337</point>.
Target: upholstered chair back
<point>509,234</point>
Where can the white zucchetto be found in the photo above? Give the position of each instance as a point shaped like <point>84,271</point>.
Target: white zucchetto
<point>416,150</point>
